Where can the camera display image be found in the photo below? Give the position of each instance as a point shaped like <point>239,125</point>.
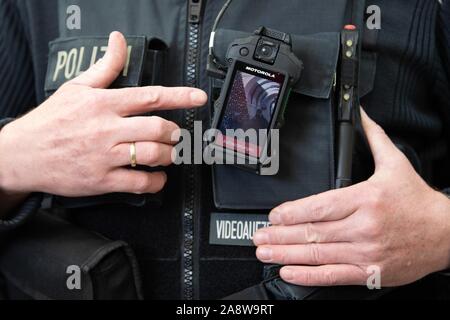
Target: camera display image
<point>251,105</point>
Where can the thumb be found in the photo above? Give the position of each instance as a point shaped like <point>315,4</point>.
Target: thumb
<point>102,74</point>
<point>382,147</point>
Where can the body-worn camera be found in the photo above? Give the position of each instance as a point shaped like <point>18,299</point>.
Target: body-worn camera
<point>262,69</point>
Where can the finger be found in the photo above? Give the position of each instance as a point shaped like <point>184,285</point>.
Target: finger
<point>106,70</point>
<point>329,206</point>
<point>382,147</point>
<point>328,275</point>
<point>320,232</point>
<point>310,254</point>
<point>151,154</point>
<point>137,182</point>
<point>154,129</point>
<point>135,101</point>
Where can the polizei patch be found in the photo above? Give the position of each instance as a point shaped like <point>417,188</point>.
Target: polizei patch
<point>235,229</point>
<point>70,57</point>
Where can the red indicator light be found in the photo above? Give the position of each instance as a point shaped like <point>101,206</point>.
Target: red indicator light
<point>350,27</point>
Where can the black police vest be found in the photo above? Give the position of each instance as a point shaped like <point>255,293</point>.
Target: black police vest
<point>168,45</point>
<point>308,148</point>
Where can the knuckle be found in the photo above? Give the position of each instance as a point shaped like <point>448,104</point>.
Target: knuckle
<point>175,128</point>
<point>100,134</point>
<point>376,252</point>
<point>373,224</point>
<point>105,182</point>
<point>329,278</point>
<point>154,153</point>
<point>154,96</point>
<point>373,228</point>
<point>91,181</point>
<point>287,217</point>
<point>276,236</point>
<point>157,127</point>
<point>96,136</point>
<point>104,132</point>
<point>376,198</point>
<point>96,181</point>
<point>311,235</point>
<point>142,184</point>
<point>307,278</point>
<point>314,254</point>
<point>75,150</point>
<point>115,152</point>
<point>95,99</point>
<point>281,256</point>
<point>317,210</point>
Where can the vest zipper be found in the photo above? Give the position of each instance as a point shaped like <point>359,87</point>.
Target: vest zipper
<point>190,176</point>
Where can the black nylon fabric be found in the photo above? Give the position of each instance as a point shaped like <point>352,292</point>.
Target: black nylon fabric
<point>403,101</point>
<point>35,262</point>
<point>306,162</point>
<point>20,75</point>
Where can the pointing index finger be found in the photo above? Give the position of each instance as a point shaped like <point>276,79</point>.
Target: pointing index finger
<point>134,101</point>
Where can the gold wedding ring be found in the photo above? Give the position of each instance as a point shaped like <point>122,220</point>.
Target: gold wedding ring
<point>133,155</point>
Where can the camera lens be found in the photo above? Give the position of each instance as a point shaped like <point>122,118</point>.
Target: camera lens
<point>266,51</point>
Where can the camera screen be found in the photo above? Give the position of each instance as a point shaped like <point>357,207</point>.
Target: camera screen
<point>250,104</point>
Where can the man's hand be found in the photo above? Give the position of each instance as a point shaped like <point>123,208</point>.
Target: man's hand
<point>77,143</point>
<point>394,221</point>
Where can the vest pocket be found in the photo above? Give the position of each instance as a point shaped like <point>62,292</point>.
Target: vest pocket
<point>307,140</point>
<point>306,161</point>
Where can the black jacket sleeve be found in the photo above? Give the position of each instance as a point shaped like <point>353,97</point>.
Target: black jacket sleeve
<point>442,90</point>
<point>16,90</point>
